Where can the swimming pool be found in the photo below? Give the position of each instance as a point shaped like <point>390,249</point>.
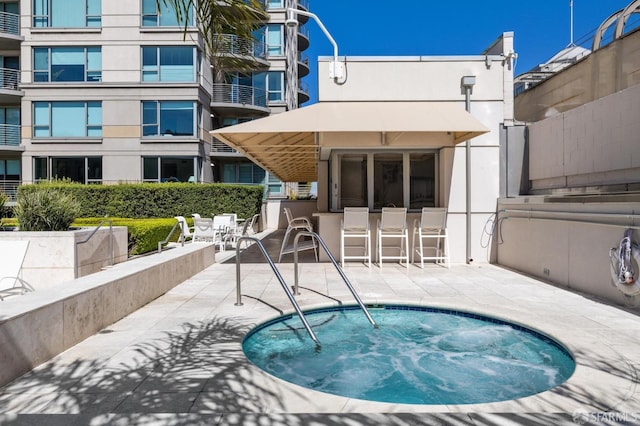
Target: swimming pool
<point>417,355</point>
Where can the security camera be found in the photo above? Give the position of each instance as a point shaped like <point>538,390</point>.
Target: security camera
<point>291,22</point>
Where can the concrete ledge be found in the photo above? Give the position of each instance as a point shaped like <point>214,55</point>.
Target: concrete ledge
<point>37,326</point>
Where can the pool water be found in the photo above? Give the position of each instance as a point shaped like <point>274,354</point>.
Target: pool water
<point>417,355</point>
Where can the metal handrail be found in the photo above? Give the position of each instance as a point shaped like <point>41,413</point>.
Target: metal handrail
<point>338,268</point>
<point>166,240</point>
<point>75,254</point>
<point>280,279</point>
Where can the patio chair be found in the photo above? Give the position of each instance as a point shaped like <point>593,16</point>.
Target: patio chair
<point>355,224</point>
<point>432,226</point>
<point>393,224</point>
<point>252,224</point>
<point>296,224</point>
<point>221,227</point>
<point>203,230</point>
<point>185,230</point>
<point>242,231</point>
<point>12,254</point>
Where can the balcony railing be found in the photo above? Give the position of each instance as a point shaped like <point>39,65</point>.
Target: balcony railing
<point>232,45</point>
<point>9,135</point>
<point>238,94</point>
<point>10,188</point>
<point>10,23</point>
<point>9,78</point>
<point>218,146</point>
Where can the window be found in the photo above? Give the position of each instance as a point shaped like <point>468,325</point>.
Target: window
<point>275,40</point>
<point>387,180</point>
<point>164,17</point>
<point>168,63</point>
<point>10,126</point>
<point>67,119</point>
<point>78,169</point>
<point>275,86</point>
<point>67,64</point>
<point>353,180</point>
<point>170,169</point>
<point>10,169</point>
<point>168,118</point>
<point>67,13</point>
<point>275,4</point>
<point>242,172</point>
<point>382,179</point>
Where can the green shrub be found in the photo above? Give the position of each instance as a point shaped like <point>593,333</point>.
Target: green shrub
<point>143,234</point>
<point>46,210</point>
<point>154,200</point>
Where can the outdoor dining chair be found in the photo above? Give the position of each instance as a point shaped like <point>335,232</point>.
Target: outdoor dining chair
<point>355,225</point>
<point>296,224</point>
<point>393,225</point>
<point>431,233</point>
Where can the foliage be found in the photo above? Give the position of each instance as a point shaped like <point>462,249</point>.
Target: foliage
<point>143,234</point>
<point>152,200</point>
<point>48,209</point>
<point>216,18</point>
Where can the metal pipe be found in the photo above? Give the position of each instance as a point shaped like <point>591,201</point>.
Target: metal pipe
<point>75,248</point>
<point>280,279</point>
<point>468,82</point>
<point>335,263</point>
<point>632,220</point>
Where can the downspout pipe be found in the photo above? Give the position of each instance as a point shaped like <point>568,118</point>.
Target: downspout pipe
<point>467,84</point>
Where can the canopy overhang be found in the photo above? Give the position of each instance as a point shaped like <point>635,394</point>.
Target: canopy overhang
<point>288,144</point>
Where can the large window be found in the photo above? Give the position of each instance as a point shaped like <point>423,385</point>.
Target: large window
<point>163,17</point>
<point>10,169</point>
<point>67,13</point>
<point>168,63</point>
<point>275,4</point>
<point>67,64</point>
<point>384,179</point>
<point>63,119</point>
<point>272,83</point>
<point>170,169</point>
<point>78,169</point>
<point>168,118</point>
<point>275,40</point>
<point>242,172</point>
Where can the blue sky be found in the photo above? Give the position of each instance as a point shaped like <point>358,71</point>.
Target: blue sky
<point>463,27</point>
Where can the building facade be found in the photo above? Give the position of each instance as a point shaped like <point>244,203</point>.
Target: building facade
<point>116,91</point>
<point>272,86</point>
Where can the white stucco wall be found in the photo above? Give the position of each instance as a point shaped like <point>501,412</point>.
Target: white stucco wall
<point>438,79</point>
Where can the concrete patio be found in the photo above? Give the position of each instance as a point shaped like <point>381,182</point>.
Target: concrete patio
<point>178,360</point>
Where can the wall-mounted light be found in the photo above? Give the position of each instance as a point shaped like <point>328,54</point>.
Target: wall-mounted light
<point>336,69</point>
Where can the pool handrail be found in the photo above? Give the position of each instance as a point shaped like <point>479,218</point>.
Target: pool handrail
<point>335,263</point>
<point>280,279</point>
<point>75,247</point>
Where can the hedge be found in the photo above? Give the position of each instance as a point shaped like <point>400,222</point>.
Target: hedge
<point>143,235</point>
<point>155,200</point>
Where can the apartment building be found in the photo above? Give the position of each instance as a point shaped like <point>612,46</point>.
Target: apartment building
<point>272,86</point>
<point>116,91</point>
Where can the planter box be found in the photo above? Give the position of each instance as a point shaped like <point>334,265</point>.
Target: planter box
<point>54,257</point>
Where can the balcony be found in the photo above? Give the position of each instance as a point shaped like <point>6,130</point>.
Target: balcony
<point>219,147</point>
<point>303,93</point>
<point>10,137</point>
<point>9,187</point>
<point>9,80</point>
<point>303,38</point>
<point>239,99</point>
<point>303,65</point>
<point>236,51</point>
<point>9,31</point>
